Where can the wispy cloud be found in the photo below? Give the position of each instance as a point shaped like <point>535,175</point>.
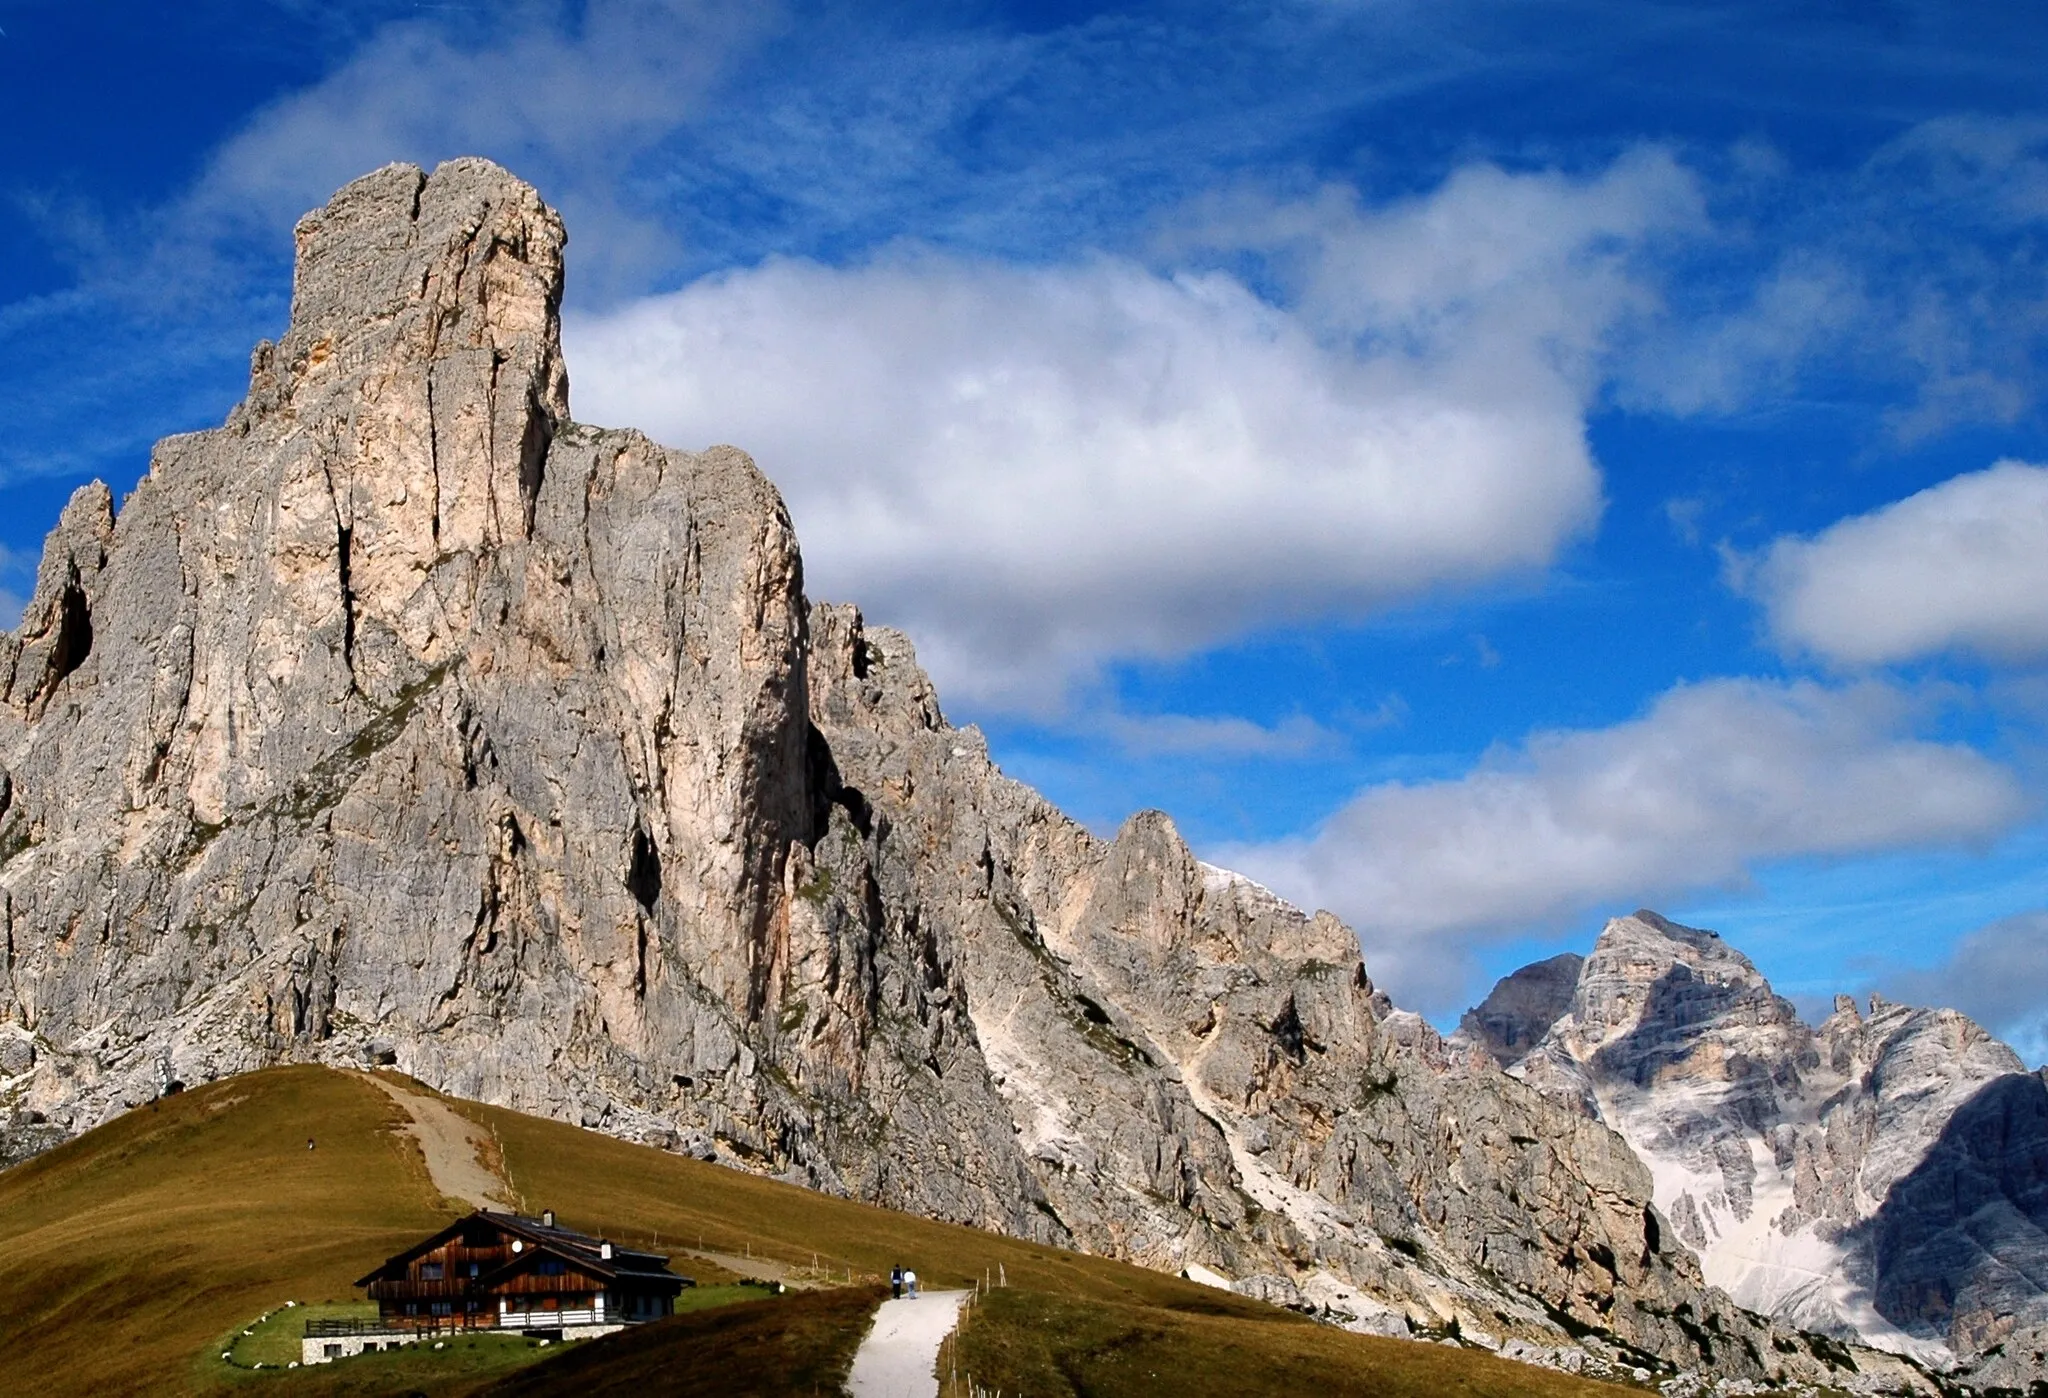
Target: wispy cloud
<point>15,578</point>
<point>571,97</point>
<point>1209,736</point>
<point>1714,778</point>
<point>1910,276</point>
<point>170,296</point>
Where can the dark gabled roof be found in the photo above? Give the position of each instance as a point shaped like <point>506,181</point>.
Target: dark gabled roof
<point>398,1261</point>
<point>579,1250</point>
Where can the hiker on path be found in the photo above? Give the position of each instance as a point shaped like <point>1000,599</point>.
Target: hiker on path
<point>910,1280</point>
<point>896,1283</point>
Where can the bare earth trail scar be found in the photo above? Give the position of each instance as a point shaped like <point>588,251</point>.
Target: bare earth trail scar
<point>452,1145</point>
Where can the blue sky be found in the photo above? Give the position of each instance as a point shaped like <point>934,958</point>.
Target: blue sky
<point>1481,467</point>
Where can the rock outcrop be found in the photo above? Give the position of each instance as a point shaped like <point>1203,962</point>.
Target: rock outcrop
<point>1521,1008</point>
<point>1883,1177</point>
<point>405,720</point>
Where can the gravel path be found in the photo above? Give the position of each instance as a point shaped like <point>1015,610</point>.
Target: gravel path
<point>452,1145</point>
<point>900,1356</point>
<point>791,1275</point>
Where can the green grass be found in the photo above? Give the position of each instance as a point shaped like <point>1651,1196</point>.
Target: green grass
<point>139,1250</point>
<point>705,1298</point>
<point>273,1340</point>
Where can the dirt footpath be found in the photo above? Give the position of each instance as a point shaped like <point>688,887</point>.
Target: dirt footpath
<point>453,1146</point>
<point>900,1356</point>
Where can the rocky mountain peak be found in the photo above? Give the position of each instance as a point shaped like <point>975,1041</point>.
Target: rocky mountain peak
<point>1655,996</point>
<point>402,268</point>
<point>413,399</point>
<point>55,638</point>
<point>1820,1174</point>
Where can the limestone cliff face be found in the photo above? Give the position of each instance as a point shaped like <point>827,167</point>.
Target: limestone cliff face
<point>1883,1177</point>
<point>1198,1074</point>
<point>402,719</point>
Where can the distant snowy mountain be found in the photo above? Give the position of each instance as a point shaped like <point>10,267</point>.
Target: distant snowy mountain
<point>1883,1177</point>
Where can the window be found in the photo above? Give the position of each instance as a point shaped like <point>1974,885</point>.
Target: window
<point>549,1267</point>
<point>475,1268</point>
<point>430,1271</point>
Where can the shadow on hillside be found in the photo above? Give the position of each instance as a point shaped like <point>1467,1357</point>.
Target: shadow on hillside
<point>1680,1009</point>
<point>789,1347</point>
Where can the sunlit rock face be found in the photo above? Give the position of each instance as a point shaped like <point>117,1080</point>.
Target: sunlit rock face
<point>1884,1176</point>
<point>405,720</point>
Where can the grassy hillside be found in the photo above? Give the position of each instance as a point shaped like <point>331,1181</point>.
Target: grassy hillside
<point>136,1250</point>
<point>1050,1346</point>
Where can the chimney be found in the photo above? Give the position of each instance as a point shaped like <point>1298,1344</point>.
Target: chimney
<point>547,1218</point>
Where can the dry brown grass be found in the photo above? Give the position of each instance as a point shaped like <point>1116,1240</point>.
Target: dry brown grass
<point>132,1249</point>
<point>1019,1342</point>
<point>646,1196</point>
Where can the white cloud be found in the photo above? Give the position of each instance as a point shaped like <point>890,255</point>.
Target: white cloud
<point>1489,254</point>
<point>1715,777</point>
<point>1962,566</point>
<point>1038,469</point>
<point>1998,975</point>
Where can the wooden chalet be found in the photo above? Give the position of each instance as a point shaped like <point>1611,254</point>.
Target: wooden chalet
<point>498,1271</point>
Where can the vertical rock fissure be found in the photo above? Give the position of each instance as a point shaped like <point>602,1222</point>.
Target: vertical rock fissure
<point>533,455</point>
<point>344,541</point>
<point>74,633</point>
<point>434,458</point>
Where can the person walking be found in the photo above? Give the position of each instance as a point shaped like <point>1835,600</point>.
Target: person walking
<point>910,1283</point>
<point>896,1282</point>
